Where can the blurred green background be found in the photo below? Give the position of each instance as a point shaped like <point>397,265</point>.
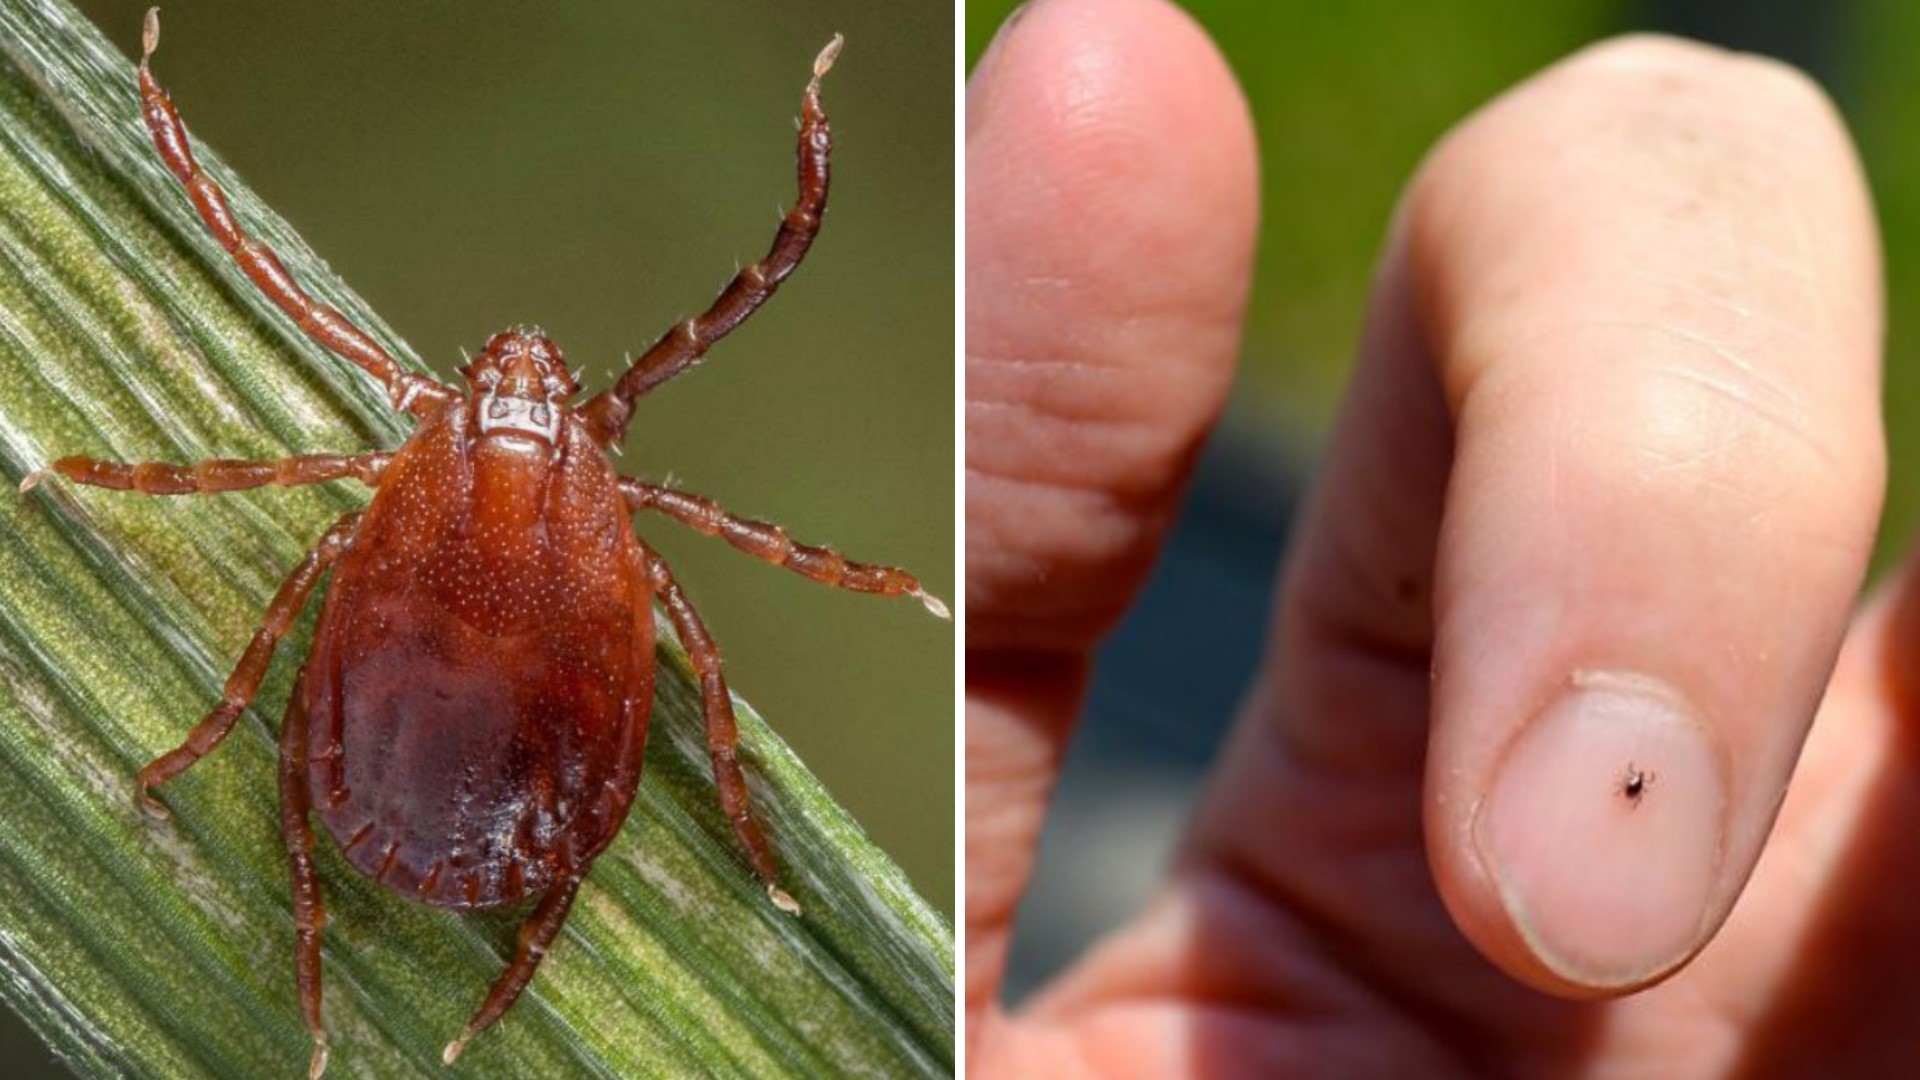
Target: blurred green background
<point>1348,97</point>
<point>600,170</point>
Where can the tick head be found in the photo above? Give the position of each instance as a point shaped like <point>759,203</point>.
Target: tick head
<point>520,383</point>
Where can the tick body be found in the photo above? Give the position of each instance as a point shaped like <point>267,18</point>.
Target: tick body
<point>1635,783</point>
<point>470,722</point>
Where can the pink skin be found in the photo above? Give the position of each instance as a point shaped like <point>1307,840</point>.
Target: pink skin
<point>1599,503</point>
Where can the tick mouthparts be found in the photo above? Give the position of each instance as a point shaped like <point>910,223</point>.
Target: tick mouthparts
<point>452,1053</point>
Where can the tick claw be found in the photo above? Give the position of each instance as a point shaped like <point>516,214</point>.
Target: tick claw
<point>32,480</point>
<point>824,62</point>
<point>317,1067</point>
<point>782,900</point>
<point>452,1053</point>
<point>933,604</point>
<point>154,809</point>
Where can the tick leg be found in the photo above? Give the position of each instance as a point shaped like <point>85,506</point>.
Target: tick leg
<point>408,393</point>
<point>309,910</point>
<point>769,543</point>
<point>536,935</point>
<point>245,680</point>
<point>682,347</point>
<point>215,475</point>
<point>723,734</point>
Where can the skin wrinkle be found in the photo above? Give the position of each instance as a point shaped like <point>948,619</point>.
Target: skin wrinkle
<point>1042,364</point>
<point>1746,385</point>
<point>1827,466</point>
<point>1130,458</point>
<point>1744,368</point>
<point>1715,465</point>
<point>1046,492</point>
<point>1017,566</point>
<point>1327,932</point>
<point>1053,611</point>
<point>1339,591</point>
<point>1064,457</point>
<point>1058,409</point>
<point>1089,319</point>
<point>1078,362</point>
<point>1718,301</point>
<point>1107,407</point>
<point>1798,428</point>
<point>1476,339</point>
<point>1007,579</point>
<point>1381,693</point>
<point>1103,325</point>
<point>1288,964</point>
<point>1442,1044</point>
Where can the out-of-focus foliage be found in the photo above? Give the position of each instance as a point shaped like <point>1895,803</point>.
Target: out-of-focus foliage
<point>1880,94</point>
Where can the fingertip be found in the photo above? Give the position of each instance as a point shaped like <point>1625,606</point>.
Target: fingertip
<point>1114,125</point>
<point>1111,207</point>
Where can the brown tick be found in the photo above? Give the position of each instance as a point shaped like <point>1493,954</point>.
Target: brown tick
<point>470,720</point>
<point>1634,784</point>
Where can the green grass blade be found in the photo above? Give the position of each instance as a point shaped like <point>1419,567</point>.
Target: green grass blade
<point>145,949</point>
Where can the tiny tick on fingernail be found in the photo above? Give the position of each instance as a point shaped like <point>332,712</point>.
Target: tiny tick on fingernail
<point>469,723</point>
<point>1634,784</point>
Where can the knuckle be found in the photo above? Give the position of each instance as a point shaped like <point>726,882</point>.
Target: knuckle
<point>1649,95</point>
<point>1660,58</point>
<point>1676,76</point>
<point>1681,429</point>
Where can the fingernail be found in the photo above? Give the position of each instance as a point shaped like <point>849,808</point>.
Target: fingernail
<point>1604,830</point>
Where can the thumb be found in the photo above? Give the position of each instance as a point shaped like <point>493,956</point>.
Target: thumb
<point>1110,212</point>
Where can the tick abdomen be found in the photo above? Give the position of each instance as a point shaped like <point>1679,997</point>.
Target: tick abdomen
<point>476,722</point>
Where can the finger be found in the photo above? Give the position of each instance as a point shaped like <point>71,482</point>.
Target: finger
<point>1110,209</point>
<point>1621,394</point>
<point>1639,609</point>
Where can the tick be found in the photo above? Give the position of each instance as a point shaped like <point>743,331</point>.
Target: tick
<point>469,723</point>
<point>1635,783</point>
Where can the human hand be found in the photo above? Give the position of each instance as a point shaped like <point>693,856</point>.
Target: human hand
<point>1573,584</point>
